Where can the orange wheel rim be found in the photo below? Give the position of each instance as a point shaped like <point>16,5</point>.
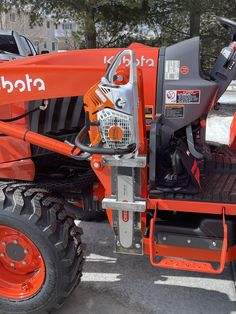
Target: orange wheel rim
<point>22,269</point>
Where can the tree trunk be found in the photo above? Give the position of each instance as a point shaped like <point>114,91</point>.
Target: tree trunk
<point>90,31</point>
<point>195,19</point>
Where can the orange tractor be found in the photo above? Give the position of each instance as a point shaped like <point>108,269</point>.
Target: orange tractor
<point>133,145</point>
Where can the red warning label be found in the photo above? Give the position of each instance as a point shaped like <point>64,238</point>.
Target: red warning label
<point>183,96</point>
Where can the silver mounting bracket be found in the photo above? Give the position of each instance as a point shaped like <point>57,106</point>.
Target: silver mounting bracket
<point>137,162</point>
<point>112,203</point>
<point>126,202</point>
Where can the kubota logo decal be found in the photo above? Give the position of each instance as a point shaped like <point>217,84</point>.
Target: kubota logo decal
<point>125,215</point>
<point>126,61</point>
<point>26,84</point>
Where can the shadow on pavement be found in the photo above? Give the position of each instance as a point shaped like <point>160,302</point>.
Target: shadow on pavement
<point>135,284</point>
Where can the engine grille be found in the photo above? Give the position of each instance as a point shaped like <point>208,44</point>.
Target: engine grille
<point>108,118</point>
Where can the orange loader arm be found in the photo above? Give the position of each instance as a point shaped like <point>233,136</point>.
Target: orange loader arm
<point>31,82</point>
<point>61,75</point>
<point>69,74</point>
<point>43,77</point>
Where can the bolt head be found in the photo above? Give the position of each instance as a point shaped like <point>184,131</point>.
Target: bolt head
<point>137,245</point>
<point>120,78</point>
<point>118,243</point>
<point>24,263</point>
<point>96,165</point>
<point>12,264</point>
<point>2,255</point>
<point>15,242</point>
<point>164,238</point>
<point>214,243</point>
<point>189,241</point>
<point>26,251</point>
<point>4,244</point>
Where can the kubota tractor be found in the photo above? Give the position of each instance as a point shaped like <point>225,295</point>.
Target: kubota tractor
<point>133,145</point>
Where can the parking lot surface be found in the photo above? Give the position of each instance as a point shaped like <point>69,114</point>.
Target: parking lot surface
<point>120,284</point>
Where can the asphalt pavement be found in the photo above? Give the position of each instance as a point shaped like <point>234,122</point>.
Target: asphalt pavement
<point>120,284</point>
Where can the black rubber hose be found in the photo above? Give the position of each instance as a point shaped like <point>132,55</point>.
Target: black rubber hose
<point>21,116</point>
<point>79,142</point>
<point>18,117</point>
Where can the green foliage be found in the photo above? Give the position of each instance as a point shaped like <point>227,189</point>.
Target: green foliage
<point>4,5</point>
<point>102,22</point>
<point>113,23</point>
<point>183,19</point>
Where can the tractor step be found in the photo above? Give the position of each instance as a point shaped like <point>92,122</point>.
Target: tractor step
<point>188,265</point>
<point>193,230</point>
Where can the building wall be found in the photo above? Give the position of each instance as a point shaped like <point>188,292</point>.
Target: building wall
<point>42,36</point>
<point>64,34</point>
<point>50,35</point>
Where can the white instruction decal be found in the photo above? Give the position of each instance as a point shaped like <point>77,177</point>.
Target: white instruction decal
<point>172,68</point>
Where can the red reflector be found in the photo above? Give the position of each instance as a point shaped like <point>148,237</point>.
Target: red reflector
<point>184,70</point>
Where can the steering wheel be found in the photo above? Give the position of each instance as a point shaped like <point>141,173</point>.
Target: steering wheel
<point>229,25</point>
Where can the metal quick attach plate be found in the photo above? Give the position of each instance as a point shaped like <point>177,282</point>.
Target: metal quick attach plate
<point>112,203</point>
<point>138,162</point>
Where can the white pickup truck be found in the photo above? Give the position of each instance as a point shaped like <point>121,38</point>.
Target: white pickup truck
<point>14,46</point>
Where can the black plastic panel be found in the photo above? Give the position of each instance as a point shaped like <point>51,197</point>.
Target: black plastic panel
<point>184,60</point>
<point>194,230</point>
<point>62,119</point>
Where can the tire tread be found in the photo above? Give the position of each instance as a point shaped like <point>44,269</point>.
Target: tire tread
<point>47,213</point>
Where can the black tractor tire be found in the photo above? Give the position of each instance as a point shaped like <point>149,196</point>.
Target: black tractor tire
<point>91,211</point>
<point>92,215</point>
<point>42,218</point>
<point>86,215</point>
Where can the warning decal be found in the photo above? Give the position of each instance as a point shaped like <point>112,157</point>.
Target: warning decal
<point>172,68</point>
<point>174,111</point>
<point>183,96</point>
